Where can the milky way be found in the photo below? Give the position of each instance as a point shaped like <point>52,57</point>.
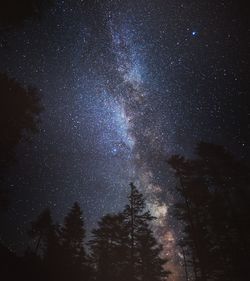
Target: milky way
<point>124,85</point>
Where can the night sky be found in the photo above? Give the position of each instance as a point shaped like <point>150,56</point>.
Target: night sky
<point>124,85</point>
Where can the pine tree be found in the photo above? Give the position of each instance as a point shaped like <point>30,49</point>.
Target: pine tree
<point>109,248</point>
<point>192,211</point>
<point>211,188</point>
<point>72,237</point>
<point>145,260</point>
<point>40,229</point>
<point>52,254</point>
<point>151,266</point>
<point>123,246</point>
<point>19,112</point>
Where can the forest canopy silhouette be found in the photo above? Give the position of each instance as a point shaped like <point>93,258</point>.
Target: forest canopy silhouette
<point>213,209</point>
<point>122,247</point>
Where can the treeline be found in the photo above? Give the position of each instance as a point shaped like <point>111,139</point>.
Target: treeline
<point>214,211</point>
<point>122,247</point>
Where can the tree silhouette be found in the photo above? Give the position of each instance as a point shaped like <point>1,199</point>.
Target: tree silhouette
<point>121,241</point>
<point>13,12</point>
<point>39,263</point>
<point>109,249</point>
<point>41,230</point>
<point>213,207</point>
<point>145,260</point>
<point>123,246</point>
<point>150,264</point>
<point>59,252</point>
<point>19,111</point>
<point>52,254</point>
<point>72,238</point>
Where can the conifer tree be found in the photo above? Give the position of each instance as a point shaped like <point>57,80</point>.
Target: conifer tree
<point>41,228</point>
<point>109,248</point>
<point>123,246</point>
<point>72,237</point>
<point>151,265</point>
<point>145,260</point>
<point>210,190</point>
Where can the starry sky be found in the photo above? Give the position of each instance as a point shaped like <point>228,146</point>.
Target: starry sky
<point>124,85</point>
